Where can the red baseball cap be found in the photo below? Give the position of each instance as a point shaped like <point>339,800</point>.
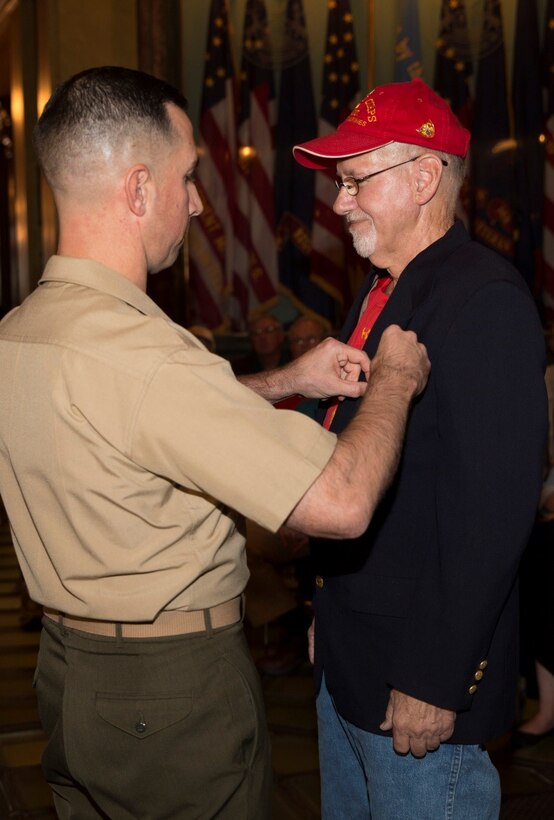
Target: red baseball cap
<point>408,112</point>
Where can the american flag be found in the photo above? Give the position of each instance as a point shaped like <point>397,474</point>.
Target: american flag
<point>331,244</point>
<point>211,234</point>
<point>255,266</point>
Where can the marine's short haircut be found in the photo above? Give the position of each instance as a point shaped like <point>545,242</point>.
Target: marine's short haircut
<point>99,104</point>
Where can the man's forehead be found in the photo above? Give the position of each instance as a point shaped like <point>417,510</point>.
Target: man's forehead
<point>350,166</point>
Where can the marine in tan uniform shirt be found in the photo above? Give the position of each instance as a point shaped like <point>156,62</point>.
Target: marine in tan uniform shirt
<point>102,386</point>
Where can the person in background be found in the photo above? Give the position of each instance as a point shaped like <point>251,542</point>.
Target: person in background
<point>129,455</point>
<point>303,334</point>
<point>416,621</point>
<point>266,337</point>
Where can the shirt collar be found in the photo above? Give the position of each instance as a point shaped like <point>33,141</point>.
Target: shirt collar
<point>91,274</point>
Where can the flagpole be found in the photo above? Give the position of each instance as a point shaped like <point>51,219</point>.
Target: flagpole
<point>370,45</point>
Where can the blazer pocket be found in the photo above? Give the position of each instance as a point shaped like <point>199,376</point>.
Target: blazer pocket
<point>141,716</point>
<point>381,595</point>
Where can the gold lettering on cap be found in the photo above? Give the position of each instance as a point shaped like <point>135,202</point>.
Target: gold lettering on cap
<point>427,130</point>
<point>368,115</point>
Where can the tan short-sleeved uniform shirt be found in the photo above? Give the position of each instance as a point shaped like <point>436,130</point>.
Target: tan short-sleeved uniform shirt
<point>127,449</point>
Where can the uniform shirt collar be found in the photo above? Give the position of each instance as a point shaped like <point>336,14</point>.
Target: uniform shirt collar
<point>91,274</point>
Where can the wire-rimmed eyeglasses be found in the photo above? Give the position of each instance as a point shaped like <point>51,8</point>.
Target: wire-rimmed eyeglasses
<point>352,185</point>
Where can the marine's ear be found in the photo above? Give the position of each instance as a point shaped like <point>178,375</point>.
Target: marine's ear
<point>136,188</point>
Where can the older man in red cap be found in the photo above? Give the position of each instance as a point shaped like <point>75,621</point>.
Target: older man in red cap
<point>416,620</point>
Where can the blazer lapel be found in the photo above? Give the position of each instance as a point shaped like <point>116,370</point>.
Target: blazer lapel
<point>397,311</point>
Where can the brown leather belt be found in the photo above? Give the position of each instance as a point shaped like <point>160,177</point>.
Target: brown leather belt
<point>175,622</point>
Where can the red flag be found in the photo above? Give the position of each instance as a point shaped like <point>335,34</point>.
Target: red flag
<point>255,274</point>
<point>211,234</point>
<point>341,83</point>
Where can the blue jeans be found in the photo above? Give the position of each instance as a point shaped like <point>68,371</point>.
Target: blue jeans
<point>363,778</point>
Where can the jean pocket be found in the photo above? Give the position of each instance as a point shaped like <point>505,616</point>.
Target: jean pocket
<point>142,716</point>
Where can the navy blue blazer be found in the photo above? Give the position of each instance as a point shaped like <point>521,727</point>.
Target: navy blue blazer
<point>426,600</point>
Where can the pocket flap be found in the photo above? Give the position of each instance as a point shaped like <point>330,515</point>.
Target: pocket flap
<point>142,716</point>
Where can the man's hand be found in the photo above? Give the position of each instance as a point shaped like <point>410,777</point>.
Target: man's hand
<point>417,726</point>
<point>330,369</point>
<point>400,351</point>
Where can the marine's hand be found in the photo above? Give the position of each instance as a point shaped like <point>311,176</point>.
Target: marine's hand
<point>330,369</point>
<point>417,727</point>
<point>399,351</point>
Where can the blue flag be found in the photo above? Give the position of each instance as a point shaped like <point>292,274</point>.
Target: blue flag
<point>453,65</point>
<point>492,149</point>
<point>407,49</point>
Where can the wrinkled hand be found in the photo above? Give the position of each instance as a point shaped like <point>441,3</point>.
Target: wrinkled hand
<point>399,350</point>
<point>330,369</point>
<point>311,641</point>
<point>417,727</point>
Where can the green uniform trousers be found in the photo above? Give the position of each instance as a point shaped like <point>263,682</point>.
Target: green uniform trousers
<point>153,729</point>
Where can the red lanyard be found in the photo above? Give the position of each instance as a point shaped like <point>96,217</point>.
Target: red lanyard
<point>377,299</point>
